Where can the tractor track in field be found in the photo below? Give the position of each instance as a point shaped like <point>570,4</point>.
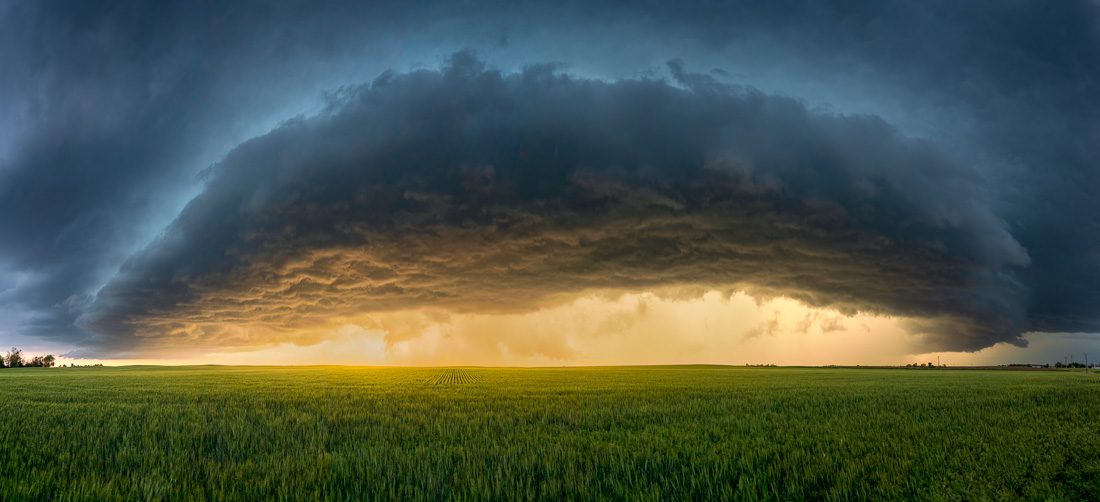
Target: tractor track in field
<point>452,377</point>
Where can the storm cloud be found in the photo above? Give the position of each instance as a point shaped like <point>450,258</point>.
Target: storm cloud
<point>927,160</point>
<point>472,190</point>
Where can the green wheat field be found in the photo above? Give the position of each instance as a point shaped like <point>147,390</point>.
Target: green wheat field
<point>699,433</point>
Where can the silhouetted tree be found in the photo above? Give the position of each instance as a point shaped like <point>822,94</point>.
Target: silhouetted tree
<point>46,361</point>
<point>14,358</point>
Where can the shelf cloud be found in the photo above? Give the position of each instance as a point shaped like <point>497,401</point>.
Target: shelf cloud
<point>270,182</point>
<point>475,190</point>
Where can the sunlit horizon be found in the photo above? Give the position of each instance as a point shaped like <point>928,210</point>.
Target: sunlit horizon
<point>668,327</point>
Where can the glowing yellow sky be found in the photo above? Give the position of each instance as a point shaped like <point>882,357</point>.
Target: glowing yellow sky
<point>664,327</point>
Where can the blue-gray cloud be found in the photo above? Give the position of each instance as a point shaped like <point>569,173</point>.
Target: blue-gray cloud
<point>474,190</point>
<point>979,161</point>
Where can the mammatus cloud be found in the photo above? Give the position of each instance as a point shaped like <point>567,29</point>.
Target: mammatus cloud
<point>468,189</point>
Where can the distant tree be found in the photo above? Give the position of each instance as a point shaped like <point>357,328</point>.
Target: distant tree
<point>14,358</point>
<point>46,361</point>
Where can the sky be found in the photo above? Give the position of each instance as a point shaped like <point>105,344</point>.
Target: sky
<point>550,183</point>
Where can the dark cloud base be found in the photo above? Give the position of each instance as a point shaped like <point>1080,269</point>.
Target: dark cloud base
<point>468,189</point>
<point>112,109</point>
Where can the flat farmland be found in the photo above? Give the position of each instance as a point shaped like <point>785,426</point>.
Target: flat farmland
<point>336,433</point>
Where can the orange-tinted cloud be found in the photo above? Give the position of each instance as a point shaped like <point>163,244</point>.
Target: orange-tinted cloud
<point>467,190</point>
<point>661,327</point>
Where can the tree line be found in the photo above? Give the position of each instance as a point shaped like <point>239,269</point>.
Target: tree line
<point>15,359</point>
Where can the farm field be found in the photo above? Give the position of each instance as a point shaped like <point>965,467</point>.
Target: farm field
<point>248,433</point>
